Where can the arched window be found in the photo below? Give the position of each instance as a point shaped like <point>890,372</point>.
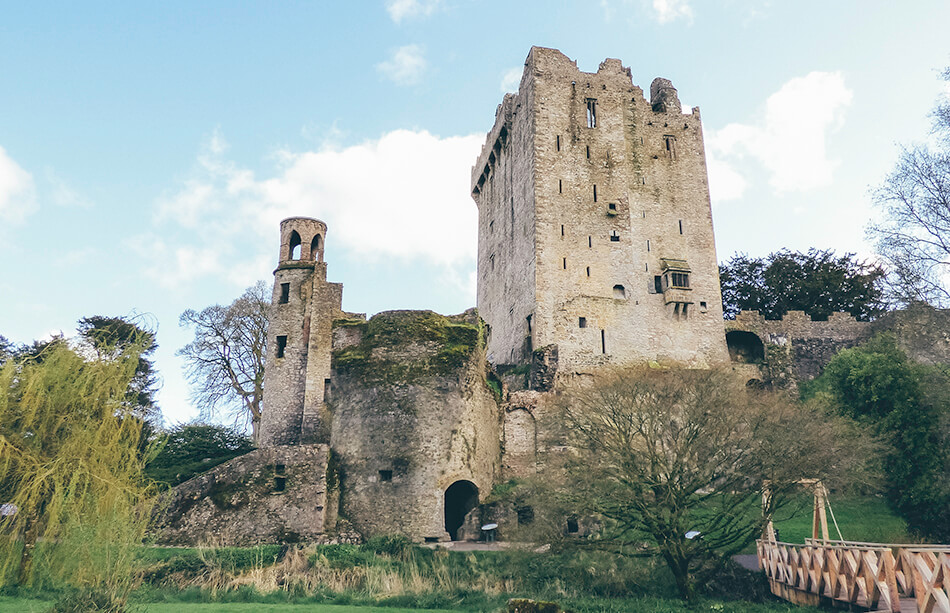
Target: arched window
<point>294,247</point>
<point>315,246</point>
<point>619,292</point>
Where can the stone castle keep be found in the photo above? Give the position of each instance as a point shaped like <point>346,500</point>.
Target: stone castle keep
<point>595,249</point>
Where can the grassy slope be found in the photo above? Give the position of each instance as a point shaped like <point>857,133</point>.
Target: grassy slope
<point>860,519</point>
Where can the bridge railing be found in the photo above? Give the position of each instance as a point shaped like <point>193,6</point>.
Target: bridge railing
<point>922,570</point>
<point>868,575</point>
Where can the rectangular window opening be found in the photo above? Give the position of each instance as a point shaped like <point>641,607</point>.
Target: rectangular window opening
<point>702,307</point>
<point>581,322</point>
<point>385,475</point>
<point>280,483</point>
<point>670,146</point>
<point>281,346</point>
<point>591,113</point>
<point>284,293</point>
<point>679,279</point>
<point>279,469</point>
<point>658,284</point>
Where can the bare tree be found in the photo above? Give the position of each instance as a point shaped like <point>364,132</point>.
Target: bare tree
<point>667,456</point>
<point>914,237</point>
<point>225,362</point>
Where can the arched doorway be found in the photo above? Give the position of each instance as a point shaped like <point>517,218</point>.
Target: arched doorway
<point>460,498</point>
<point>745,347</point>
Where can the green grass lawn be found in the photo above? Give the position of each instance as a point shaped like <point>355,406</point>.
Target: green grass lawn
<point>860,518</point>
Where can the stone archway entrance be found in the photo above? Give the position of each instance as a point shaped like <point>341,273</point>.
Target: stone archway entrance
<point>460,498</point>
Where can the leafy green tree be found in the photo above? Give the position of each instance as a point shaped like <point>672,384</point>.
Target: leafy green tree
<point>914,236</point>
<point>667,454</point>
<point>908,405</point>
<point>71,468</point>
<point>817,282</point>
<point>190,449</point>
<point>108,337</point>
<point>225,361</point>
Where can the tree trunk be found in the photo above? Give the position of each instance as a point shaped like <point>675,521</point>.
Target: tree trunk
<point>679,566</point>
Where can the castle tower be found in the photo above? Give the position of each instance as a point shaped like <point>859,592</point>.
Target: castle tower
<point>594,222</point>
<point>299,338</point>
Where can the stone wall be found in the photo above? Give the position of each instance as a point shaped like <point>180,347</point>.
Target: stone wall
<point>412,415</point>
<point>279,494</point>
<point>610,199</point>
<point>797,349</point>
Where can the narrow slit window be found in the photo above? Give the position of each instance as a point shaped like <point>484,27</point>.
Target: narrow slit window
<point>581,322</point>
<point>591,113</point>
<point>670,146</point>
<point>648,244</point>
<point>588,271</point>
<point>491,259</point>
<point>681,226</point>
<point>564,263</point>
<point>560,186</point>
<point>603,341</point>
<point>590,242</point>
<point>284,293</point>
<point>595,193</point>
<point>562,229</point>
<point>614,236</point>
<point>588,152</point>
<point>557,142</point>
<point>281,346</point>
<point>491,226</point>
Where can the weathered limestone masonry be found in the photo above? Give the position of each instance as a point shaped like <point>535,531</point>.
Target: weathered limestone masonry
<point>415,425</point>
<point>278,494</point>
<point>595,227</point>
<point>299,337</point>
<point>795,348</point>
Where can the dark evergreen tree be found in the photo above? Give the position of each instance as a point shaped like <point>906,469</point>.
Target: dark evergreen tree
<point>817,282</point>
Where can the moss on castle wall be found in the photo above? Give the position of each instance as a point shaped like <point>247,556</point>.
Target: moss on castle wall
<point>403,346</point>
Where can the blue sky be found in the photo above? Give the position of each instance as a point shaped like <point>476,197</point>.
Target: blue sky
<point>148,150</point>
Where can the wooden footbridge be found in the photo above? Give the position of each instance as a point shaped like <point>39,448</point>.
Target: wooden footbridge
<point>907,578</point>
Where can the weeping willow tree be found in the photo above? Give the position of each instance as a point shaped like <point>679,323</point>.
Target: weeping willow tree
<point>76,504</point>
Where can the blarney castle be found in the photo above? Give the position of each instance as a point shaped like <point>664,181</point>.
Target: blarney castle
<point>595,249</point>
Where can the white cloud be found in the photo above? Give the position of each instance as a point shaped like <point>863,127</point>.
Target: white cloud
<point>789,141</point>
<point>511,80</point>
<point>671,10</point>
<point>403,9</point>
<point>405,65</point>
<point>17,191</point>
<point>405,195</point>
<point>61,194</point>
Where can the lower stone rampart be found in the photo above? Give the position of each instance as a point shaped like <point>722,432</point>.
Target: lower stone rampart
<point>277,494</point>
